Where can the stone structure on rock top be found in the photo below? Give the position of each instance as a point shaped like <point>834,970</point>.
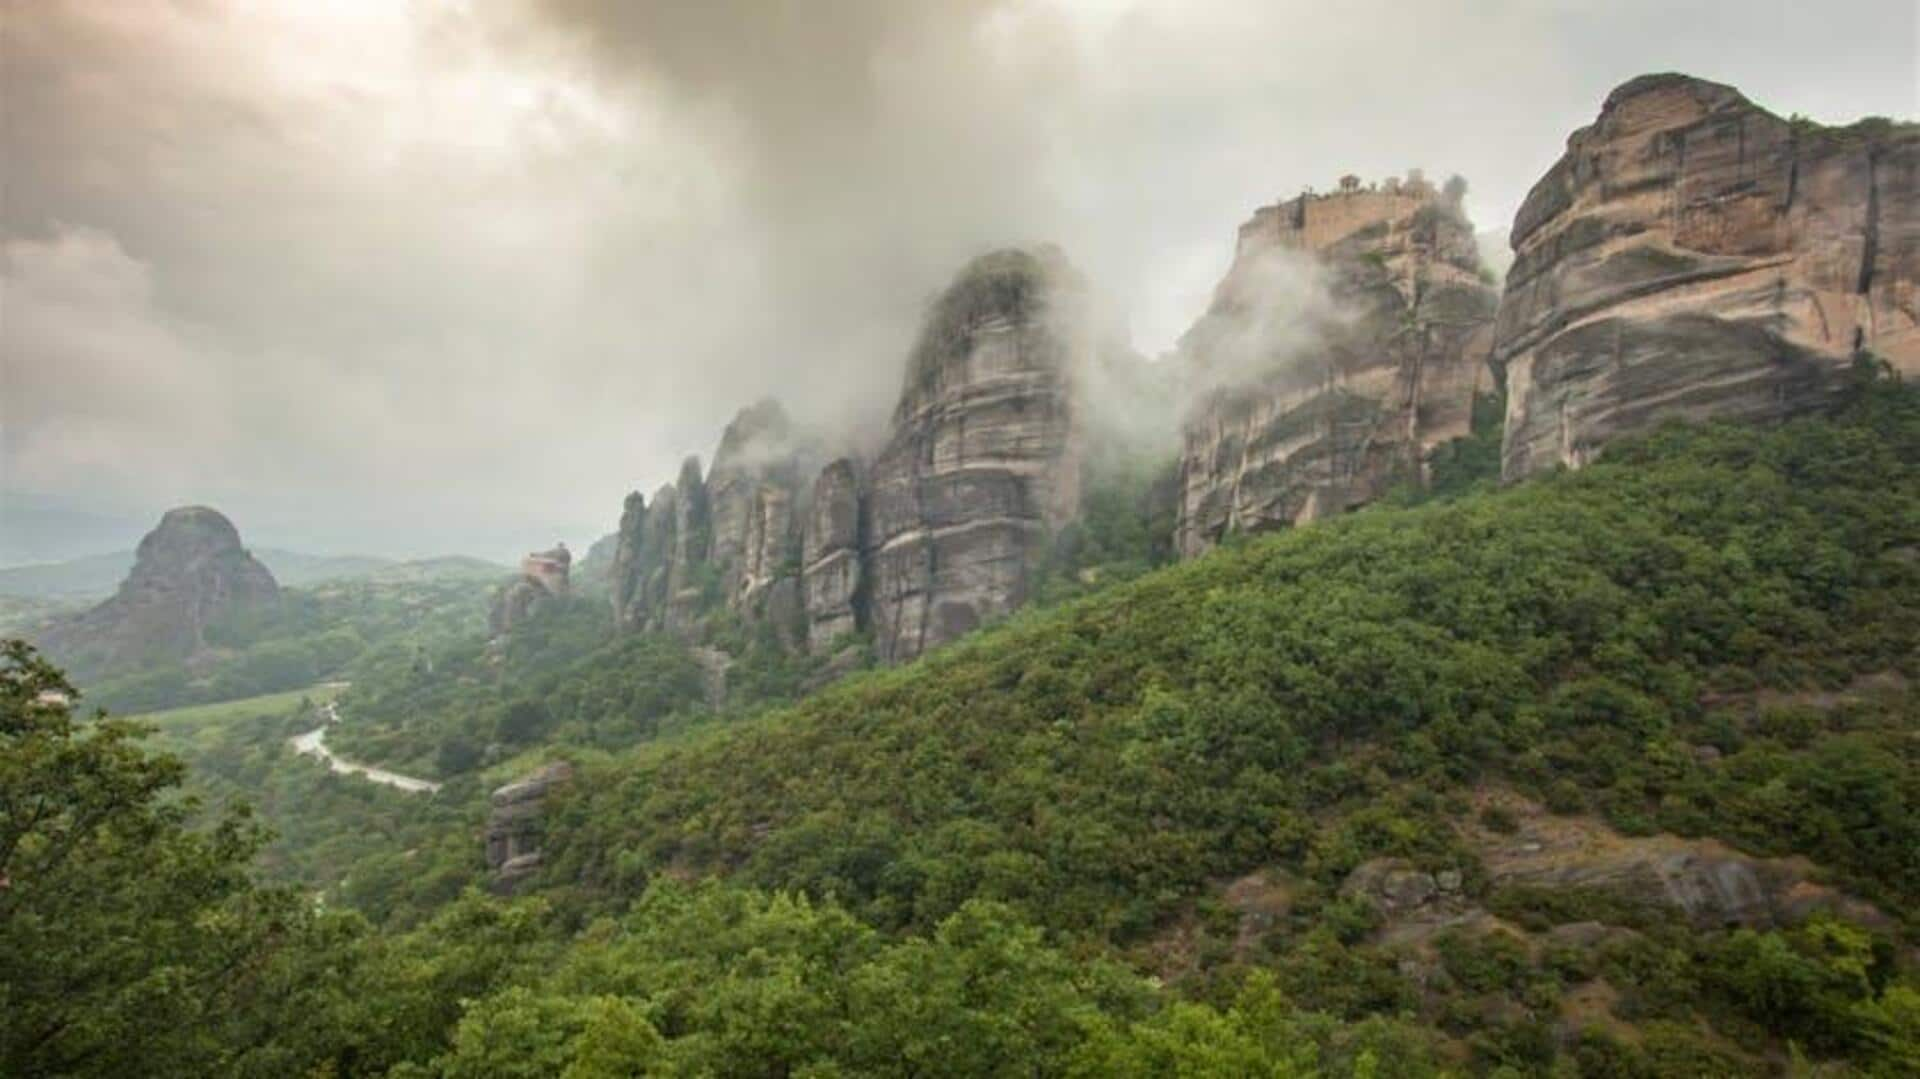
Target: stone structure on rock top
<point>1346,342</point>
<point>543,576</point>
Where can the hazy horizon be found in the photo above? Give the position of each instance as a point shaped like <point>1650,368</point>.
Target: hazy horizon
<point>445,277</point>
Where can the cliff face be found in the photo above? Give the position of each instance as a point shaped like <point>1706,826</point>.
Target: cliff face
<point>730,538</point>
<point>1344,344</point>
<point>757,489</point>
<point>939,532</point>
<point>189,573</point>
<point>834,556</point>
<point>982,458</point>
<point>1692,255</point>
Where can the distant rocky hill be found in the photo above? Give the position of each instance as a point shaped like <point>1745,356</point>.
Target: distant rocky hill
<point>97,576</point>
<point>189,573</point>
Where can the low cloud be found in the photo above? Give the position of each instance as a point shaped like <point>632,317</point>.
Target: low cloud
<point>449,274</point>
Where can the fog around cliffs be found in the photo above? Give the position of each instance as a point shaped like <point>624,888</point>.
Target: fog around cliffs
<point>408,279</point>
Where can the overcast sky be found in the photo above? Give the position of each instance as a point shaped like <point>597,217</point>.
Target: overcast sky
<point>430,276</point>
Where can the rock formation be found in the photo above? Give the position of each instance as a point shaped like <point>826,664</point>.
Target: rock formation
<point>513,824</point>
<point>940,532</point>
<point>1692,255</point>
<point>543,576</point>
<point>833,557</point>
<point>757,492</point>
<point>189,574</point>
<point>1345,343</point>
<point>982,459</point>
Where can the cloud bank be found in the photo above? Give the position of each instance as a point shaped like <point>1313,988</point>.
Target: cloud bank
<point>414,277</point>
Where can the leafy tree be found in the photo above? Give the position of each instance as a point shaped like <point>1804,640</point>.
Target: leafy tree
<point>130,943</point>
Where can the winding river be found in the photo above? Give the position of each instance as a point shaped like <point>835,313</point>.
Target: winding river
<point>313,743</point>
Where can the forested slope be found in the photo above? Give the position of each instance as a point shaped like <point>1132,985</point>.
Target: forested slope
<point>1257,814</point>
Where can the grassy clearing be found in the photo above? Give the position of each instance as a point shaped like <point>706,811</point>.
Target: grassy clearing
<point>181,729</point>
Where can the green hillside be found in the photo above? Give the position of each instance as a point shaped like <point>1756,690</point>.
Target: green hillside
<point>1334,801</point>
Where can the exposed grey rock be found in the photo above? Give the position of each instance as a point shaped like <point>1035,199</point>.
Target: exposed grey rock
<point>691,541</point>
<point>1346,342</point>
<point>1392,884</point>
<point>189,574</point>
<point>757,495</point>
<point>833,557</point>
<point>982,461</point>
<point>514,824</point>
<point>1694,256</point>
<point>1709,882</point>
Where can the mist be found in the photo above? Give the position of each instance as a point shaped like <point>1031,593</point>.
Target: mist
<point>416,278</point>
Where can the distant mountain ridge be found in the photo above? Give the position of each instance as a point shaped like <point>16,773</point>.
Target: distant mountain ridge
<point>96,576</point>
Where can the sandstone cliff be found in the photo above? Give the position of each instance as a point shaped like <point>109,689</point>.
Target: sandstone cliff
<point>1692,255</point>
<point>940,531</point>
<point>729,539</point>
<point>1345,343</point>
<point>982,458</point>
<point>189,574</point>
<point>834,557</point>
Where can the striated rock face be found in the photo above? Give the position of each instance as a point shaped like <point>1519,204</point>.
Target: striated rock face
<point>1692,255</point>
<point>757,490</point>
<point>189,573</point>
<point>691,542</point>
<point>732,537</point>
<point>833,559</point>
<point>1345,343</point>
<point>982,457</point>
<point>543,576</point>
<point>939,532</point>
<point>513,825</point>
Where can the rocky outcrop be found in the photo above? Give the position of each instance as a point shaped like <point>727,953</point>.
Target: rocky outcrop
<point>1346,342</point>
<point>833,556</point>
<point>1694,256</point>
<point>1708,882</point>
<point>544,575</point>
<point>190,574</point>
<point>982,459</point>
<point>513,825</point>
<point>757,489</point>
<point>938,533</point>
<point>731,538</point>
